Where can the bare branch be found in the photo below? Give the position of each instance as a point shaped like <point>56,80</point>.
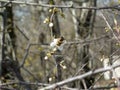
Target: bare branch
<point>22,32</point>
<point>4,5</point>
<point>61,6</point>
<point>25,55</point>
<point>87,41</point>
<point>80,77</point>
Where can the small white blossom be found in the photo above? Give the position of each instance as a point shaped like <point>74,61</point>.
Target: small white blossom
<point>46,57</point>
<point>53,43</point>
<point>51,24</point>
<point>44,21</point>
<point>64,67</point>
<point>50,79</point>
<point>50,10</point>
<point>55,49</point>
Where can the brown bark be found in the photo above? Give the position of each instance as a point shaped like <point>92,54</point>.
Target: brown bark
<point>10,70</point>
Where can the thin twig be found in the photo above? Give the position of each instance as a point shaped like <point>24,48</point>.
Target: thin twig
<point>27,52</point>
<point>25,55</point>
<point>21,32</point>
<point>96,80</point>
<point>106,21</point>
<point>87,41</point>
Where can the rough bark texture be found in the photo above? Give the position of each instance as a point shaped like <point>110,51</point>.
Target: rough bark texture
<point>8,40</point>
<point>10,70</point>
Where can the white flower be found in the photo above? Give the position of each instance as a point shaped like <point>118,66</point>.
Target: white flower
<point>46,57</point>
<point>64,67</point>
<point>53,43</point>
<point>50,10</point>
<point>54,49</point>
<point>50,79</point>
<point>46,20</point>
<point>51,24</point>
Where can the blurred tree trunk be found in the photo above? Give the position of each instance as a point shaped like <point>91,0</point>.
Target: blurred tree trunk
<point>85,29</point>
<point>83,24</point>
<point>8,40</point>
<point>10,70</point>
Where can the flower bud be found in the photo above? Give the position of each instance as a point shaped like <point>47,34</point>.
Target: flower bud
<point>51,24</point>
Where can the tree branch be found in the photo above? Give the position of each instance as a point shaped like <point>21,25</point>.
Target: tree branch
<point>60,6</point>
<point>22,32</point>
<point>79,77</point>
<point>87,41</point>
